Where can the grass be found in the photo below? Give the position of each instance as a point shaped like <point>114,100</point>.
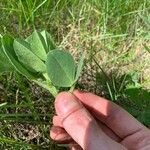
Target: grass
<point>112,32</point>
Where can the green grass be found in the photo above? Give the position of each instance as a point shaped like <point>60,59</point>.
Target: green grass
<point>112,32</point>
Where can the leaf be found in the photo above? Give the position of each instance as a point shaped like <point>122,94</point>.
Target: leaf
<point>38,45</point>
<point>48,86</point>
<point>5,65</point>
<point>48,39</point>
<point>60,68</point>
<point>25,56</point>
<point>7,43</point>
<point>146,48</point>
<point>80,67</point>
<point>144,117</point>
<point>139,96</point>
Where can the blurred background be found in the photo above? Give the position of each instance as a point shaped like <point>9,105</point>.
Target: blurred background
<point>116,36</point>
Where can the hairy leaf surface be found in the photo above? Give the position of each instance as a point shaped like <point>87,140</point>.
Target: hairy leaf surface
<point>7,43</point>
<point>38,45</point>
<point>60,68</point>
<point>29,59</point>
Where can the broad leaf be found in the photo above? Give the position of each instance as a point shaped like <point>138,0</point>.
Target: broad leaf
<point>60,68</point>
<point>80,67</point>
<point>5,65</point>
<point>144,117</point>
<point>7,43</point>
<point>25,56</point>
<point>38,45</point>
<point>48,39</point>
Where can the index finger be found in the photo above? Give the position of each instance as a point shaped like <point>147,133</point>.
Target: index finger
<point>116,118</point>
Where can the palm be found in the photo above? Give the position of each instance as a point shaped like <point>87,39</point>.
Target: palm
<point>110,127</point>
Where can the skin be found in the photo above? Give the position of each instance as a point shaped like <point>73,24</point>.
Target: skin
<point>85,121</point>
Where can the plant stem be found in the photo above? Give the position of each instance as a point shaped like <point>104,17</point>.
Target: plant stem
<point>50,88</point>
<point>72,88</point>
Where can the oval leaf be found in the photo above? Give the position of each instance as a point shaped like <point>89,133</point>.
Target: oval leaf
<point>48,39</point>
<point>38,45</point>
<point>7,43</point>
<point>29,59</point>
<point>60,68</point>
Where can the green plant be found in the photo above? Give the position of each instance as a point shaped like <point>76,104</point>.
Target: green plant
<point>38,59</point>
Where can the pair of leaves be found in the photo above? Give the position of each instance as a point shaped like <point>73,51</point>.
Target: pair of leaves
<point>33,52</point>
<point>10,56</point>
<point>48,40</point>
<point>38,45</point>
<point>28,57</point>
<point>41,43</point>
<point>61,68</point>
<point>25,56</point>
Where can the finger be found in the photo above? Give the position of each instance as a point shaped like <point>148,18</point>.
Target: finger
<point>63,137</point>
<point>109,132</point>
<point>57,122</point>
<point>60,135</point>
<point>80,125</point>
<point>75,147</point>
<point>116,118</point>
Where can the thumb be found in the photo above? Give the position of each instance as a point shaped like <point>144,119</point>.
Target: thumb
<point>80,125</point>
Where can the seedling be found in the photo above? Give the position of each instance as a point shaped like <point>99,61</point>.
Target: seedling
<point>39,60</point>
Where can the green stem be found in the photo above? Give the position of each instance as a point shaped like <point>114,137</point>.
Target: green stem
<point>72,88</point>
<point>50,88</point>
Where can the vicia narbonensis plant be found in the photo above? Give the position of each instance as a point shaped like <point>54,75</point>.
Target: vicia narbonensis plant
<point>39,60</point>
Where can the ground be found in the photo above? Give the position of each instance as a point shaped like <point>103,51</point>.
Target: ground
<point>113,34</point>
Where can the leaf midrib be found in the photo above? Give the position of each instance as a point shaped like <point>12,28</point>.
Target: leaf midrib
<point>71,81</point>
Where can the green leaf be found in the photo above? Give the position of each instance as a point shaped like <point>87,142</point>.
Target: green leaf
<point>49,41</point>
<point>146,48</point>
<point>144,117</point>
<point>25,56</point>
<point>5,65</point>
<point>38,45</point>
<point>7,43</point>
<point>60,68</point>
<point>80,67</point>
<point>48,86</point>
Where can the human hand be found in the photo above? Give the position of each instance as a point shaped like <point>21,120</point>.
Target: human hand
<point>87,122</point>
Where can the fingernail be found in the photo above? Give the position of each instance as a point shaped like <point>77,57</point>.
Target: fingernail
<point>58,134</point>
<point>66,103</point>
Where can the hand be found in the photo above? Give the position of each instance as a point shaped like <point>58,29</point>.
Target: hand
<point>87,122</point>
